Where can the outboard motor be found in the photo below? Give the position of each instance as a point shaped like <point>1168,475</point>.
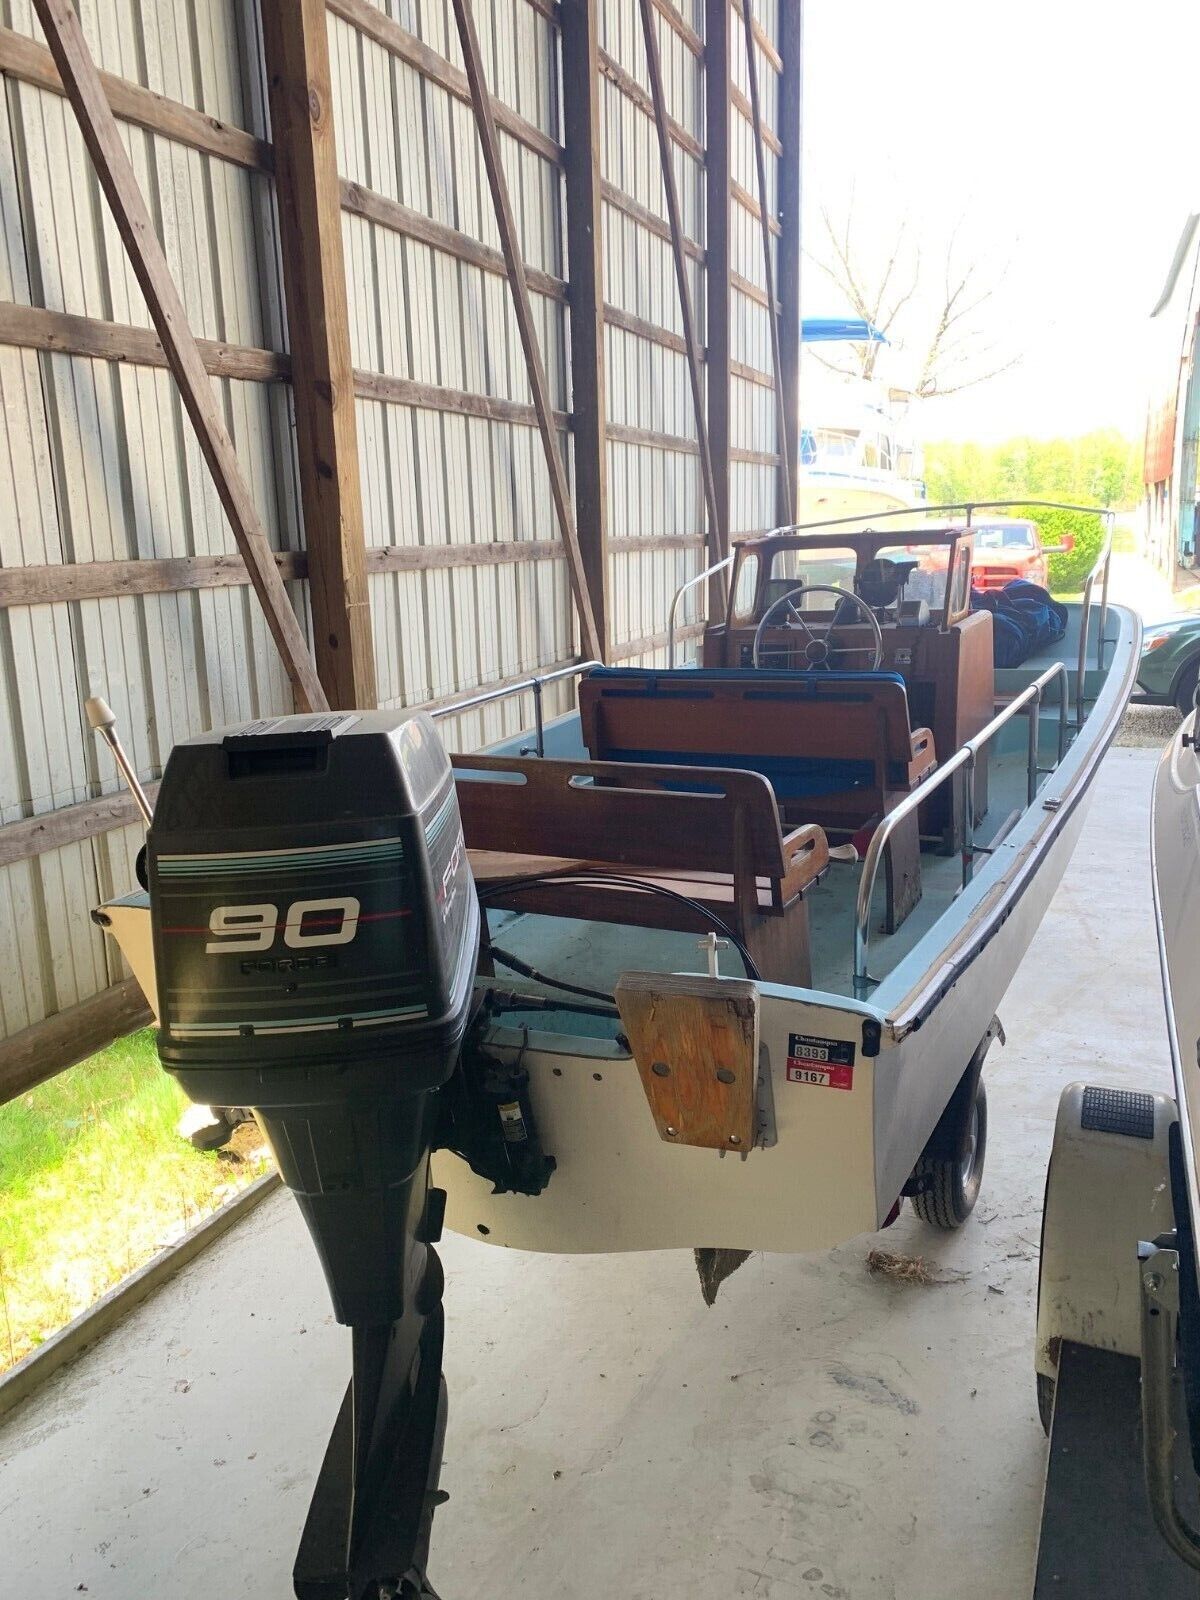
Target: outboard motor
<point>315,937</point>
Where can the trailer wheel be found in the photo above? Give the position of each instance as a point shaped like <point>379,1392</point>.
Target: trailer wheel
<point>946,1186</point>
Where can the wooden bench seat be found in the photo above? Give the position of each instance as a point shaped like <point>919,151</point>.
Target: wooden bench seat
<point>837,747</point>
<point>713,837</point>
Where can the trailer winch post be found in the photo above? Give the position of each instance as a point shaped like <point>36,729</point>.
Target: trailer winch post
<point>1158,1275</point>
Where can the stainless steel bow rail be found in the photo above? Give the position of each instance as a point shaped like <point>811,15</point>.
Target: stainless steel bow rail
<point>533,685</point>
<point>963,760</point>
<point>866,521</point>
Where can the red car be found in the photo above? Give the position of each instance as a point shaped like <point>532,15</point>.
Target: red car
<point>1010,548</point>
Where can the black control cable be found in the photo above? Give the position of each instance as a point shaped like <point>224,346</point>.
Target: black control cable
<point>498,1001</point>
<point>519,885</point>
<point>515,964</point>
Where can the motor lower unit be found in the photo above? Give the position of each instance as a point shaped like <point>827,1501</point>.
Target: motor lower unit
<point>315,934</point>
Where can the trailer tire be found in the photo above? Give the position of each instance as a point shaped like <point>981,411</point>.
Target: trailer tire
<point>947,1186</point>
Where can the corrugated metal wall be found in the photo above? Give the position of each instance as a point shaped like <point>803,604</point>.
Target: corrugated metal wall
<point>653,488</point>
<point>432,477</point>
<point>99,463</point>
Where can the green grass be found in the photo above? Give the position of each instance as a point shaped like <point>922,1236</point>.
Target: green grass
<point>94,1181</point>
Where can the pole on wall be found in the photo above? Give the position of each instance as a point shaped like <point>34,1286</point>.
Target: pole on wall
<point>585,296</point>
<point>718,99</point>
<point>481,102</point>
<point>83,88</point>
<point>296,52</point>
<point>788,178</point>
<point>785,483</point>
<point>716,549</point>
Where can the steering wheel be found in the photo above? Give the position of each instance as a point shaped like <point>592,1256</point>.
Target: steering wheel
<point>818,648</point>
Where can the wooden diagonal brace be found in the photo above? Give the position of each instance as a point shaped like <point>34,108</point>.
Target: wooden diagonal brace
<point>119,183</point>
<point>760,161</point>
<point>718,265</point>
<point>716,548</point>
<point>583,187</point>
<point>789,127</point>
<point>481,103</point>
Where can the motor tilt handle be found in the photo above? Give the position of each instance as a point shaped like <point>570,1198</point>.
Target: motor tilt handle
<point>102,721</point>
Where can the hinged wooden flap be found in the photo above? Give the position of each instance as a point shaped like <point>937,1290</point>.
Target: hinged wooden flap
<point>695,1040</point>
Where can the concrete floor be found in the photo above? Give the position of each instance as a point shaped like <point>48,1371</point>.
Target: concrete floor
<point>819,1433</point>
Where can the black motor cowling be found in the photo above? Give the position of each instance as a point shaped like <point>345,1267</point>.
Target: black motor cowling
<point>315,935</point>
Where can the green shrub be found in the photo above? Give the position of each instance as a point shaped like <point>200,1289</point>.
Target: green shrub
<point>1069,570</point>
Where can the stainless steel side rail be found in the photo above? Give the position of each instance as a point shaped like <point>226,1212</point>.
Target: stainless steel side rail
<point>1099,570</point>
<point>709,572</point>
<point>963,760</point>
<point>533,685</point>
<point>1057,672</point>
<point>869,519</point>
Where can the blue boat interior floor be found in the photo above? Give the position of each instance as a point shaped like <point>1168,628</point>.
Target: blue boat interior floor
<point>595,954</point>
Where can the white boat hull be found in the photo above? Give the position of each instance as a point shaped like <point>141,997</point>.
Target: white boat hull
<point>843,1154</point>
<point>619,1187</point>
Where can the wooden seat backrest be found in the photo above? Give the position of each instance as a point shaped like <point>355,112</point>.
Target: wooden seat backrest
<point>647,816</point>
<point>839,717</point>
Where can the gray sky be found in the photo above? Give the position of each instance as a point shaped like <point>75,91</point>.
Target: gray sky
<point>1061,137</point>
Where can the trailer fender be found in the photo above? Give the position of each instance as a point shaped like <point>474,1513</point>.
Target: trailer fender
<point>1108,1186</point>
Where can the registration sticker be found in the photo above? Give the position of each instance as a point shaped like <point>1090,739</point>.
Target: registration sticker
<point>825,1063</point>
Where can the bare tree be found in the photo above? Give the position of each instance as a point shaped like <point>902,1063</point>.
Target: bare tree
<point>889,287</point>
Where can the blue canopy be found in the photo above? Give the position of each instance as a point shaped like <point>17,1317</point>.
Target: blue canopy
<point>825,330</point>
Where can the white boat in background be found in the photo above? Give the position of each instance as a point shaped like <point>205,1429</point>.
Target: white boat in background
<point>858,451</point>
